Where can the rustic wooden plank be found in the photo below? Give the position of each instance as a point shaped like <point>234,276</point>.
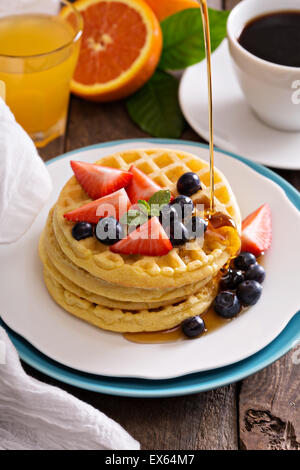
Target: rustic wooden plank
<point>54,148</point>
<point>217,4</point>
<point>91,123</point>
<point>229,4</point>
<point>269,406</point>
<point>203,421</point>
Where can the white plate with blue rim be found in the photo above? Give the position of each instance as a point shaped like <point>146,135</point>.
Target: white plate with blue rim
<point>236,128</point>
<point>30,312</point>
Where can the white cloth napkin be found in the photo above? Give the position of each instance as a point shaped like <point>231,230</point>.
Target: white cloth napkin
<point>34,415</point>
<point>50,7</point>
<point>25,184</point>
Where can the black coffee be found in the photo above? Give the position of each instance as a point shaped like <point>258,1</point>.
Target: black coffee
<point>274,37</point>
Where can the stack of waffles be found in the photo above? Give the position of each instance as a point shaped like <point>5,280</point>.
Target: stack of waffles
<point>134,293</point>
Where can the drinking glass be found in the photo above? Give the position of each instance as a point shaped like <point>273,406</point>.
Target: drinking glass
<point>39,48</point>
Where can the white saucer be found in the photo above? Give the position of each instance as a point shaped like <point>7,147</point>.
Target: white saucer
<point>27,308</point>
<point>236,128</point>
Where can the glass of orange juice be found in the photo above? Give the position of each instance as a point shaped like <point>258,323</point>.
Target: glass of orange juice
<point>39,47</point>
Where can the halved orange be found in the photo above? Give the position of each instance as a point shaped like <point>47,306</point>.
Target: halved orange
<point>165,8</point>
<point>120,49</point>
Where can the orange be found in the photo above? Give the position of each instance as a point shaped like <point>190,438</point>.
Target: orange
<point>120,49</point>
<point>164,8</point>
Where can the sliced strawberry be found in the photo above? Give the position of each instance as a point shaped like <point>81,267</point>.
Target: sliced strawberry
<point>149,239</point>
<point>141,186</point>
<point>113,205</point>
<point>257,231</point>
<point>97,180</point>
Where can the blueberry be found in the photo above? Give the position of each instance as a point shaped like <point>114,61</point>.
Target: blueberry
<point>177,233</point>
<point>193,326</point>
<point>244,260</point>
<point>231,279</point>
<point>183,205</point>
<point>82,230</point>
<point>249,292</point>
<point>188,183</point>
<point>255,273</point>
<point>109,231</point>
<point>226,304</point>
<point>167,215</point>
<point>196,227</point>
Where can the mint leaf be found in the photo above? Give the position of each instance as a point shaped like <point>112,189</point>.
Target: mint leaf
<point>129,216</point>
<point>160,198</point>
<point>155,210</point>
<point>133,218</point>
<point>183,42</point>
<point>155,108</point>
<point>144,206</point>
<point>138,220</point>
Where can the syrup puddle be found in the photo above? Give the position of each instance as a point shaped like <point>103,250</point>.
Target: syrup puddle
<point>212,323</point>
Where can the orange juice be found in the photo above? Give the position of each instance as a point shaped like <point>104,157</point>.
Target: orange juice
<point>38,55</point>
<point>2,90</point>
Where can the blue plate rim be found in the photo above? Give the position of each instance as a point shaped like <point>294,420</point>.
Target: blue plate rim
<point>142,388</point>
<point>188,384</point>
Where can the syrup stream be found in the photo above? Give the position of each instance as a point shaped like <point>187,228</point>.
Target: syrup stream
<point>212,320</point>
<point>206,32</point>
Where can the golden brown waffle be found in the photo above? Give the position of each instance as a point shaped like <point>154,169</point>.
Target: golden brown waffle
<point>67,284</point>
<point>50,249</point>
<point>181,266</point>
<point>122,321</point>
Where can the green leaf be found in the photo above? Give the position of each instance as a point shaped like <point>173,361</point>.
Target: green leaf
<point>183,42</point>
<point>144,206</point>
<point>155,108</point>
<point>130,215</point>
<point>139,220</point>
<point>160,198</point>
<point>133,218</point>
<point>155,210</point>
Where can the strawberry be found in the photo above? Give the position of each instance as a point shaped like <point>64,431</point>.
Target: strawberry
<point>149,239</point>
<point>141,186</point>
<point>97,180</point>
<point>113,205</point>
<point>257,231</point>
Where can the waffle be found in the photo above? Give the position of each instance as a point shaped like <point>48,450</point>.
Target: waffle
<point>126,321</point>
<point>133,293</point>
<point>181,266</point>
<point>76,289</point>
<point>50,251</point>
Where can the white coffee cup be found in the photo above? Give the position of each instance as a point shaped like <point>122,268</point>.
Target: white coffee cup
<point>271,90</point>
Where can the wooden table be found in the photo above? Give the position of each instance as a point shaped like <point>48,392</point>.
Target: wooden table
<point>261,412</point>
